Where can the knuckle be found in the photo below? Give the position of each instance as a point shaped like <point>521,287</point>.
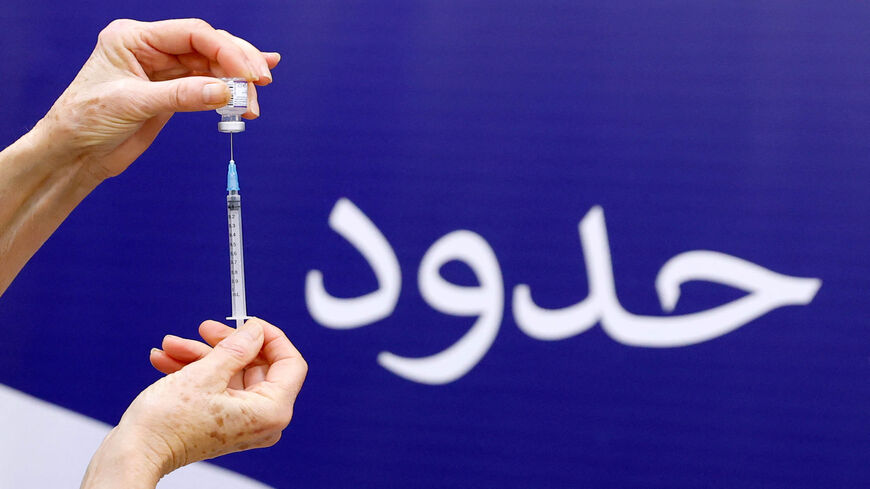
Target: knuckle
<point>303,369</point>
<point>176,96</point>
<point>196,23</point>
<point>267,441</point>
<point>122,22</point>
<point>114,27</point>
<point>272,439</point>
<point>280,417</point>
<point>232,348</point>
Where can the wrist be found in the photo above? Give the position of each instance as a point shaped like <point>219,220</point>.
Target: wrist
<point>124,459</point>
<point>56,150</point>
<point>40,184</point>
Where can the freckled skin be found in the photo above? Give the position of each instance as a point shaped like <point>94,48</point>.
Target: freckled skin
<point>206,436</point>
<point>192,415</point>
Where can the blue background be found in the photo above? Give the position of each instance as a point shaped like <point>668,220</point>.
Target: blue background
<point>740,127</point>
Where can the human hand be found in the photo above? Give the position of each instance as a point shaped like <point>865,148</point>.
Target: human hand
<point>139,74</point>
<point>176,353</point>
<point>233,397</point>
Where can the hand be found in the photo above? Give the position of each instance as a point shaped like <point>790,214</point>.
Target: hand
<point>139,74</point>
<point>177,353</point>
<point>233,397</point>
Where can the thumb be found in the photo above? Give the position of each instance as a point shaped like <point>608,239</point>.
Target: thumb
<point>187,94</point>
<point>231,355</point>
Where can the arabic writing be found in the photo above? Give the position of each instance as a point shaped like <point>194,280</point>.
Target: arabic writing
<point>766,291</point>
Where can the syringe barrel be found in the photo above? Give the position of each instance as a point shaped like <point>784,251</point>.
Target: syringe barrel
<point>237,258</point>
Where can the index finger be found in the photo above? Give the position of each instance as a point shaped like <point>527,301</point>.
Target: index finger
<point>287,368</point>
<point>183,36</point>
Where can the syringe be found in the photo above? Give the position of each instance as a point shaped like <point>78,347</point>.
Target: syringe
<point>237,258</point>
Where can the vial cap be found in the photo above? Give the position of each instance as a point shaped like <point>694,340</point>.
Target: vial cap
<point>231,126</point>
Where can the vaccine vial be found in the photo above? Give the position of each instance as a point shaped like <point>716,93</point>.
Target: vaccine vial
<point>231,113</point>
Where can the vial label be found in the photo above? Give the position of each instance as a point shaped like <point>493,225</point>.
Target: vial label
<point>238,94</point>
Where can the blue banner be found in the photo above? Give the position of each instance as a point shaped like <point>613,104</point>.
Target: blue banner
<point>539,244</point>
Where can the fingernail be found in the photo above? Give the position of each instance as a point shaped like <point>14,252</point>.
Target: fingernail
<point>255,107</point>
<point>273,53</point>
<point>265,73</point>
<point>215,93</point>
<point>155,350</point>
